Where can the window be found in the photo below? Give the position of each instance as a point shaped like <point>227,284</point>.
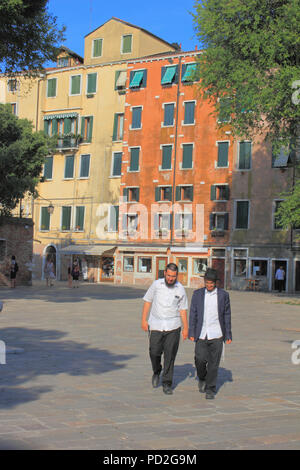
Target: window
<point>168,114</point>
<point>14,108</point>
<point>85,166</point>
<point>113,222</point>
<point>66,218</point>
<point>184,221</point>
<point>240,262</point>
<point>51,87</point>
<point>162,221</point>
<point>218,221</point>
<point>116,164</point>
<point>259,267</point>
<point>244,155</point>
<point>242,215</point>
<point>222,154</point>
<point>75,85</point>
<point>276,206</point>
<point>187,156</point>
<point>79,218</point>
<point>138,79</point>
<point>219,192</point>
<point>136,117</point>
<point>184,193</point>
<point>69,167</point>
<point>224,110</point>
<point>134,159</point>
<point>118,127</point>
<point>144,265</point>
<point>169,75</point>
<point>97,47</point>
<point>126,47</point>
<point>12,85</point>
<point>128,264</point>
<point>45,219</point>
<point>189,112</point>
<point>48,168</point>
<point>87,128</point>
<point>166,161</point>
<point>130,223</point>
<point>120,80</point>
<point>91,86</point>
<point>163,193</point>
<point>281,159</point>
<point>131,194</point>
<point>188,73</point>
<point>63,62</point>
<point>199,266</point>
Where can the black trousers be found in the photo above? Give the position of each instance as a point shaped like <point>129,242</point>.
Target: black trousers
<point>208,354</point>
<point>166,343</point>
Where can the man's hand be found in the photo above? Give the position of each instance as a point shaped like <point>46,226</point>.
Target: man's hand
<point>144,325</point>
<point>185,333</point>
<point>228,341</point>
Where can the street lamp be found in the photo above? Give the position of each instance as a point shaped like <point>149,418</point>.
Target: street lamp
<point>50,208</point>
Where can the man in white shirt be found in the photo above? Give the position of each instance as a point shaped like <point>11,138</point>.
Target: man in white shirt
<point>167,303</point>
<point>279,277</point>
<point>209,326</point>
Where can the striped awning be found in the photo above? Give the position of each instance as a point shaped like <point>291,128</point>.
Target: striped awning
<point>60,116</point>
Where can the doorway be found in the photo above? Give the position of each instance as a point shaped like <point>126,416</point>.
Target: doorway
<point>182,264</point>
<point>297,276</point>
<point>219,265</point>
<point>161,263</point>
<point>50,254</point>
<point>107,269</point>
<point>276,264</point>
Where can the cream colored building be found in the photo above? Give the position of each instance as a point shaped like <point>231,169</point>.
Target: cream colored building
<point>82,101</point>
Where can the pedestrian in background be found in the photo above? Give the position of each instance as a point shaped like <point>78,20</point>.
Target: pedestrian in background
<point>14,268</point>
<point>280,278</point>
<point>49,271</point>
<point>75,273</point>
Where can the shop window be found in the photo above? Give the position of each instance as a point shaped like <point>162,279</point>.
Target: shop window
<point>240,262</point>
<point>128,264</point>
<point>144,265</point>
<point>259,267</point>
<point>199,266</point>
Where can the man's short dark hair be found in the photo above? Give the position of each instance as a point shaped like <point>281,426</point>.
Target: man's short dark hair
<point>172,267</point>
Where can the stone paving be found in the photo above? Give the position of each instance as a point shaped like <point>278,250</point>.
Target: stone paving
<point>78,375</point>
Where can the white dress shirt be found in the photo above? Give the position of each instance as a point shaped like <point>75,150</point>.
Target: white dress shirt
<point>211,325</point>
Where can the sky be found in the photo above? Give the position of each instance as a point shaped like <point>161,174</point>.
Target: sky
<point>171,20</point>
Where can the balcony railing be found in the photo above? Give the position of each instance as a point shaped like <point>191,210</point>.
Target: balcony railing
<point>65,143</point>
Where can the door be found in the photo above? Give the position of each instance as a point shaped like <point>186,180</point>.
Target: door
<point>161,263</point>
<point>107,269</point>
<point>219,265</point>
<point>182,264</point>
<point>275,265</point>
<point>297,276</point>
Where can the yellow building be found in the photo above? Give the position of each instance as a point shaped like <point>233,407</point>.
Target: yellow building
<point>82,102</point>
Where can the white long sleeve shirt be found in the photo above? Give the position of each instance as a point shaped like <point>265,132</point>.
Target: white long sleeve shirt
<point>211,326</point>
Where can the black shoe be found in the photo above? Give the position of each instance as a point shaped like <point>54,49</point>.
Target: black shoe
<point>210,395</point>
<point>167,389</point>
<point>155,380</point>
<point>201,386</point>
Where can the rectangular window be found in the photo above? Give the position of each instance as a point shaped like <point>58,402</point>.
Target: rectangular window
<point>134,159</point>
<point>63,62</point>
<point>85,166</point>
<point>91,86</point>
<point>189,73</point>
<point>187,156</point>
<point>118,127</point>
<point>12,85</point>
<point>69,167</point>
<point>144,265</point>
<point>184,193</point>
<point>222,154</point>
<point>281,159</point>
<point>120,80</point>
<point>45,219</point>
<point>162,221</point>
<point>169,75</point>
<point>66,217</point>
<point>189,112</point>
<point>131,194</point>
<point>183,221</point>
<point>136,117</point>
<point>138,79</point>
<point>116,164</point>
<point>75,86</point>
<point>259,267</point>
<point>242,214</point>
<point>244,155</point>
<point>130,223</point>
<point>163,193</point>
<point>113,224</point>
<point>51,87</point>
<point>169,109</point>
<point>87,128</point>
<point>14,108</point>
<point>97,47</point>
<point>128,264</point>
<point>199,266</point>
<point>166,163</point>
<point>219,192</point>
<point>240,262</point>
<point>79,218</point>
<point>48,168</point>
<point>218,221</point>
<point>126,44</point>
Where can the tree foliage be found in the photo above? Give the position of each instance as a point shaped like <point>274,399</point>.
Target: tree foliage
<point>22,154</point>
<point>29,36</point>
<point>251,54</point>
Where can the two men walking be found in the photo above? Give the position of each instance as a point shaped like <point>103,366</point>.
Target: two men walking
<point>209,326</point>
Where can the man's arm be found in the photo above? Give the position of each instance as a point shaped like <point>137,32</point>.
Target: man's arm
<point>227,318</point>
<point>185,328</point>
<point>146,309</point>
<point>193,319</point>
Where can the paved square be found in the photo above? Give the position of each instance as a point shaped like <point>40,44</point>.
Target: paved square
<point>78,375</point>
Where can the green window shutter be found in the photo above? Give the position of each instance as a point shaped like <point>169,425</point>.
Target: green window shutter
<point>134,159</point>
<point>115,130</point>
<point>84,166</point>
<point>166,157</point>
<point>136,118</point>
<point>117,164</point>
<point>127,44</point>
<point>227,192</point>
<point>91,83</point>
<point>226,218</point>
<point>187,156</point>
<point>157,193</point>
<point>190,193</point>
<point>67,125</point>
<point>169,114</point>
<point>168,193</point>
<point>79,220</point>
<point>245,156</point>
<point>66,218</point>
<point>48,167</point>
<point>125,194</point>
<point>69,166</point>
<point>46,126</point>
<point>54,126</point>
<point>75,84</point>
<point>213,194</point>
<point>90,129</point>
<point>51,88</point>
<point>97,48</point>
<point>114,219</point>
<point>178,193</point>
<point>137,194</point>
<point>189,112</point>
<point>45,218</point>
<point>223,154</point>
<point>242,209</point>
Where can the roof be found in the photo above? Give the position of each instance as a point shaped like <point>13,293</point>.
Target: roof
<point>72,53</point>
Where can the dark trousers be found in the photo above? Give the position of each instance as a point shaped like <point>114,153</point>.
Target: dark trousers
<point>166,343</point>
<point>208,354</point>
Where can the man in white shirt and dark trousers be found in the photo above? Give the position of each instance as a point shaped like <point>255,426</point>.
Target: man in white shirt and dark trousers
<point>209,326</point>
<point>167,303</point>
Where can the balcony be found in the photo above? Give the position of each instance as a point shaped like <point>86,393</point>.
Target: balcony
<point>68,142</point>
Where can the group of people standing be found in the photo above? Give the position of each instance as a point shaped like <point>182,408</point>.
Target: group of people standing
<point>165,314</point>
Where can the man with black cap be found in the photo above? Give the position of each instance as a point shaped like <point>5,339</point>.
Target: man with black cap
<point>209,326</point>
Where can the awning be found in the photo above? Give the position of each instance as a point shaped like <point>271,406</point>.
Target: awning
<point>95,250</point>
<point>189,72</point>
<point>60,116</point>
<point>121,81</point>
<point>282,158</point>
<point>136,79</point>
<point>168,75</point>
<point>144,249</point>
